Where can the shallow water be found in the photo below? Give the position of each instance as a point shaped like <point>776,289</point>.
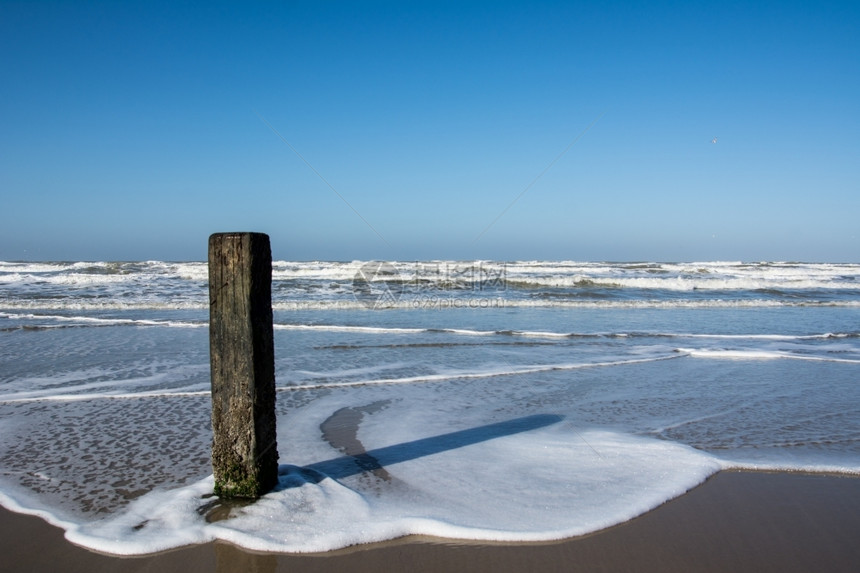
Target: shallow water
<point>509,401</point>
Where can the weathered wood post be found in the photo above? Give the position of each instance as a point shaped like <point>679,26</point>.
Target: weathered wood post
<point>242,358</point>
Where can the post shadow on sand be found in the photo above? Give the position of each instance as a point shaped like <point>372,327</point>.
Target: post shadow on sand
<point>345,466</point>
<point>341,467</point>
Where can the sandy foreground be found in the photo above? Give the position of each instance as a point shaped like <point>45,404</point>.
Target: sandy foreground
<point>735,521</point>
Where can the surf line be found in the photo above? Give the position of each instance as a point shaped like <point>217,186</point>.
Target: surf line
<point>476,375</point>
<point>430,378</point>
<point>123,396</point>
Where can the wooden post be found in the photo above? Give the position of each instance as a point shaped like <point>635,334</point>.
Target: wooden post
<point>242,357</point>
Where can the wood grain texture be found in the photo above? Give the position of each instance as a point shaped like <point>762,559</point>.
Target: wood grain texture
<point>242,357</point>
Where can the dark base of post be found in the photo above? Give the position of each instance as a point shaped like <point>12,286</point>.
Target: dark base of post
<point>242,356</point>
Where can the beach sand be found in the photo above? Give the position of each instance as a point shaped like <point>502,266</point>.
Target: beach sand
<point>735,521</point>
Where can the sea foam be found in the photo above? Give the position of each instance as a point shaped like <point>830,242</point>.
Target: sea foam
<point>541,484</point>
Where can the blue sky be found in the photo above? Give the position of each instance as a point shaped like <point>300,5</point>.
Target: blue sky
<point>134,130</point>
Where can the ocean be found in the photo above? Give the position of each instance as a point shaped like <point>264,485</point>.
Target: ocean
<point>482,400</point>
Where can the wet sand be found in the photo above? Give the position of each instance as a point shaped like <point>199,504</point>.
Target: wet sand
<point>735,521</point>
